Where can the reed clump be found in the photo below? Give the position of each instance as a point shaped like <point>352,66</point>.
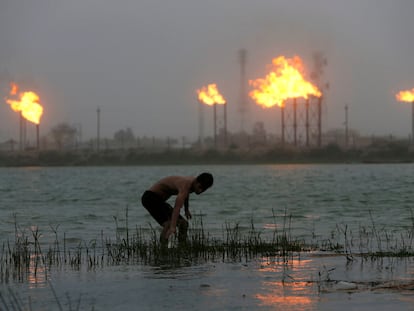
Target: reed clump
<point>370,241</point>
<point>27,257</point>
<point>143,246</point>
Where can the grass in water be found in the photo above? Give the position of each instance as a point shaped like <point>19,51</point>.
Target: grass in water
<point>26,256</point>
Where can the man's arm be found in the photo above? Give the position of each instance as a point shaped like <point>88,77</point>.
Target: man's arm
<point>186,205</point>
<point>179,202</point>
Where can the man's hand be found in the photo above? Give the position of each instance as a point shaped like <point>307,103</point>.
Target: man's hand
<point>187,214</point>
<point>169,232</point>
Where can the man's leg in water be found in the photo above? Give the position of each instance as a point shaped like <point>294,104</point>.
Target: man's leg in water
<point>165,227</point>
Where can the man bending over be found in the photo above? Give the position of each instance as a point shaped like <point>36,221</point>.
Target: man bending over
<point>155,201</point>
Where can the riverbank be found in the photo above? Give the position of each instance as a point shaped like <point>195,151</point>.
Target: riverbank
<point>111,157</point>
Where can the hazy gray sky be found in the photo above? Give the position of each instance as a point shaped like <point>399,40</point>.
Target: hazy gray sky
<point>142,61</point>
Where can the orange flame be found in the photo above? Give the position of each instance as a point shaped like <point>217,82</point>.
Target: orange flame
<point>210,95</point>
<point>283,82</point>
<point>27,104</point>
<point>405,96</point>
<point>14,89</point>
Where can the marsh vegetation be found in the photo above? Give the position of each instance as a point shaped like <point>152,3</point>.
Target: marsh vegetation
<point>26,254</point>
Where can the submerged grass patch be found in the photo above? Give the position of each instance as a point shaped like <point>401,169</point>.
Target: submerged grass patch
<point>28,257</point>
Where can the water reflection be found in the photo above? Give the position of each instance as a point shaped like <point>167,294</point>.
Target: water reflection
<point>286,264</point>
<point>37,275</point>
<point>288,295</point>
<point>293,288</point>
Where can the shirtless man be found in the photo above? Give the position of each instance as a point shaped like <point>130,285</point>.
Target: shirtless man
<point>155,201</point>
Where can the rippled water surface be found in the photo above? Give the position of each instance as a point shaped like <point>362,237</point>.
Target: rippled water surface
<point>89,202</point>
<point>85,201</point>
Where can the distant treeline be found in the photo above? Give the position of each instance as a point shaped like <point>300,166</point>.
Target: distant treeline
<point>391,152</point>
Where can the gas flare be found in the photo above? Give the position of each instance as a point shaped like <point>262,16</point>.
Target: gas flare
<point>284,81</point>
<point>210,95</point>
<point>27,103</point>
<point>405,96</point>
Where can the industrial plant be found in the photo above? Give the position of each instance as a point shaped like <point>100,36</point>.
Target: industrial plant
<point>295,98</point>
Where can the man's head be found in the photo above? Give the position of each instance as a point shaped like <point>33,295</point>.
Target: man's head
<point>204,181</point>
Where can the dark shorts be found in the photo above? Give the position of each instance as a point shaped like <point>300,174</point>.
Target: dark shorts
<point>160,210</point>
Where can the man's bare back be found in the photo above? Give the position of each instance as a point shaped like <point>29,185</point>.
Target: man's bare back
<point>172,185</point>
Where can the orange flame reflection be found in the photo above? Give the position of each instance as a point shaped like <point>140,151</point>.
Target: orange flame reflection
<point>405,96</point>
<point>37,273</point>
<point>210,95</point>
<point>285,81</point>
<point>288,296</point>
<point>27,103</point>
<point>295,293</point>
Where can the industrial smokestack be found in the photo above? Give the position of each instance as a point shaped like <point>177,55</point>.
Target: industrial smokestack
<point>242,99</point>
<point>282,116</point>
<point>21,120</point>
<point>320,121</point>
<point>37,137</point>
<point>295,123</point>
<point>22,132</point>
<point>201,124</point>
<point>215,125</point>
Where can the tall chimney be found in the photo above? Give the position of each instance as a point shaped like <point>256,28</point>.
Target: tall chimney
<point>242,99</point>
<point>201,124</point>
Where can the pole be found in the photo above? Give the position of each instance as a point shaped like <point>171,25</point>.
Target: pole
<point>37,137</point>
<point>320,122</point>
<point>412,124</point>
<point>346,126</point>
<point>307,122</point>
<point>98,130</point>
<point>21,132</point>
<point>295,125</point>
<point>215,125</point>
<point>24,133</point>
<point>200,124</point>
<point>282,114</point>
<point>242,99</point>
<point>225,124</point>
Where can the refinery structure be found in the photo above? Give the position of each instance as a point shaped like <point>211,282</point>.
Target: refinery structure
<point>293,93</point>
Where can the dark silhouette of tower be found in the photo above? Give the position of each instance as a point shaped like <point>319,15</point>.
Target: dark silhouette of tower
<point>242,96</point>
<point>98,134</point>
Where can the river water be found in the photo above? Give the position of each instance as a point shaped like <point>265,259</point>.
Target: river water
<point>322,202</point>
